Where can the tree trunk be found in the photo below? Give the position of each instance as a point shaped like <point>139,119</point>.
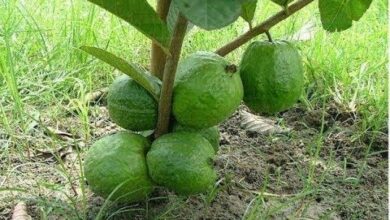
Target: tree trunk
<point>158,57</point>
<point>165,103</point>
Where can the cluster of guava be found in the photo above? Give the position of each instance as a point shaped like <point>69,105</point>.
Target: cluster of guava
<point>126,166</point>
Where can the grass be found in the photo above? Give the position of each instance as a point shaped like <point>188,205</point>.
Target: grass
<point>43,75</point>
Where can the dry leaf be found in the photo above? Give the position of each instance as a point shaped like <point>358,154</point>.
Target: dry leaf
<point>96,96</point>
<point>259,124</point>
<point>49,153</point>
<point>20,212</point>
<point>59,153</point>
<point>62,135</point>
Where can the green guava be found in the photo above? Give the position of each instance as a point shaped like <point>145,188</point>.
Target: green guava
<point>207,91</point>
<point>131,106</point>
<point>195,60</point>
<point>115,167</point>
<point>211,134</point>
<point>272,75</point>
<point>183,162</point>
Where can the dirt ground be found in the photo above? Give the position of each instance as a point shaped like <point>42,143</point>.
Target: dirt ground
<point>260,176</point>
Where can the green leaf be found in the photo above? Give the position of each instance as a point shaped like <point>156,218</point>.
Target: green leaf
<point>210,14</point>
<point>338,15</point>
<point>173,14</point>
<point>358,8</point>
<point>140,75</point>
<point>248,9</point>
<point>142,16</point>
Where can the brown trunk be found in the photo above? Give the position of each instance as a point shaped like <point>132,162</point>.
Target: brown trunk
<point>165,103</point>
<point>158,57</point>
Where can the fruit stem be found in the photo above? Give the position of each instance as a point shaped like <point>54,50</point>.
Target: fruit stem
<point>262,28</point>
<point>158,57</point>
<point>231,68</point>
<point>165,102</point>
<point>269,36</point>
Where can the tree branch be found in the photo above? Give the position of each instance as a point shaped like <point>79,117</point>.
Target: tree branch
<point>158,57</point>
<point>263,27</point>
<point>165,103</point>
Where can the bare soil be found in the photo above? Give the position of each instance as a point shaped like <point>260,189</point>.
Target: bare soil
<point>260,176</point>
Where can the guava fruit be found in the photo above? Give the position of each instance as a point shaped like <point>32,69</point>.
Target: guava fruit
<point>193,61</point>
<point>282,3</point>
<point>183,162</point>
<point>207,91</point>
<point>131,106</point>
<point>272,75</point>
<point>116,165</point>
<point>210,134</point>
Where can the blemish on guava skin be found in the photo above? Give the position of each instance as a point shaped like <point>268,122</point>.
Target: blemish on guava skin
<point>231,68</point>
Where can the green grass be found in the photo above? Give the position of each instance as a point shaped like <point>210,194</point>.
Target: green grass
<point>43,74</point>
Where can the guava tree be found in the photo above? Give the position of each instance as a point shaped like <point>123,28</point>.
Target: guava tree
<point>188,98</point>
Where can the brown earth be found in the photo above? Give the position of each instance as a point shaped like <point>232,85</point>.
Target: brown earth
<point>260,176</point>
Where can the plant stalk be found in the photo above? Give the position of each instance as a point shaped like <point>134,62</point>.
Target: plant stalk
<point>158,57</point>
<point>263,27</point>
<point>165,103</point>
